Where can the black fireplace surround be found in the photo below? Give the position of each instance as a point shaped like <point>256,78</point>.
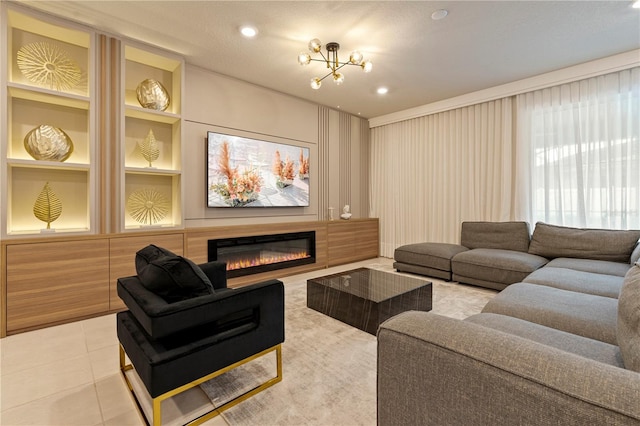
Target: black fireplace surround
<point>263,253</point>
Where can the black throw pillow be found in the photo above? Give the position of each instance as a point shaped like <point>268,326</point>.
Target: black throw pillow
<point>170,276</point>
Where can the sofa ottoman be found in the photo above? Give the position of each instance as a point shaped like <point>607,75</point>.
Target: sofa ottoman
<point>431,259</point>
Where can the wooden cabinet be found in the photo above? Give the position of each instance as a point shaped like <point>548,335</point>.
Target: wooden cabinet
<point>352,240</point>
<point>52,282</point>
<point>48,111</point>
<point>151,148</point>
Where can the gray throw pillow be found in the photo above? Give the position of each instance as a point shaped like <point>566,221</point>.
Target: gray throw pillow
<point>170,276</point>
<point>628,332</point>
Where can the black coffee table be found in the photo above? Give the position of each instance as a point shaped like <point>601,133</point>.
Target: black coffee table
<point>364,298</point>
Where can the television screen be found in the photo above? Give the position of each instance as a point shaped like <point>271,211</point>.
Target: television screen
<point>244,172</point>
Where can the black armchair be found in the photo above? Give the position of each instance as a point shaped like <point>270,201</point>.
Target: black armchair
<point>176,346</point>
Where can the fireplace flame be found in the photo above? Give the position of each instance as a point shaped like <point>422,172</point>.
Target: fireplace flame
<point>265,260</point>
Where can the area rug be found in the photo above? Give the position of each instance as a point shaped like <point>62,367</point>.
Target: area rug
<point>329,374</point>
<point>329,368</point>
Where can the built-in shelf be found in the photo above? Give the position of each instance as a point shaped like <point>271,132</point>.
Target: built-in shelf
<point>31,102</point>
<point>158,175</point>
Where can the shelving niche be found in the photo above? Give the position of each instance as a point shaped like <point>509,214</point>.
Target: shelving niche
<point>30,100</point>
<point>162,176</point>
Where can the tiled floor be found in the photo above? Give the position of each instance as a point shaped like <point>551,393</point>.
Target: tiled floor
<point>69,375</point>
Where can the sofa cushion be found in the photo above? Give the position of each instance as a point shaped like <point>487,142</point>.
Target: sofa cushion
<point>595,266</point>
<point>580,281</point>
<point>496,235</point>
<point>433,255</point>
<point>629,319</point>
<point>588,348</point>
<point>495,265</point>
<point>586,315</point>
<point>170,276</point>
<point>599,244</point>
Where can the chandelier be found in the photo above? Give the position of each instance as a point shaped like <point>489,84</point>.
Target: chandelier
<point>332,61</point>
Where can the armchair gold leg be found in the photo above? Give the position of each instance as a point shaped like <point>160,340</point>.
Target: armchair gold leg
<point>157,401</point>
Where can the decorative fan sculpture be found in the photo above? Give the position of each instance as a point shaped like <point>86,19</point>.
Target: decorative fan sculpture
<point>149,148</point>
<point>49,66</point>
<point>48,206</point>
<point>48,143</point>
<point>152,95</point>
<point>147,206</point>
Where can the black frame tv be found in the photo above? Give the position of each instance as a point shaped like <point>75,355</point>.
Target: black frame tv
<point>245,172</point>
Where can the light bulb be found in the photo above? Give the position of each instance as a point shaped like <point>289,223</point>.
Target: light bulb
<point>304,58</point>
<point>356,57</point>
<point>315,45</point>
<point>248,31</point>
<point>338,78</point>
<point>315,83</point>
<point>367,66</point>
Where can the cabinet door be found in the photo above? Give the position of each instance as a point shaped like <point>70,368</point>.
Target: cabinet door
<point>340,236</point>
<point>366,239</point>
<point>55,282</point>
<point>123,254</point>
<point>352,240</point>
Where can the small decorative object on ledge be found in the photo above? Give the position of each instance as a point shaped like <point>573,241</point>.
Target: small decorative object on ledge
<point>147,206</point>
<point>283,171</point>
<point>149,148</point>
<point>152,95</point>
<point>49,66</point>
<point>331,213</point>
<point>345,212</point>
<point>48,206</point>
<point>48,143</point>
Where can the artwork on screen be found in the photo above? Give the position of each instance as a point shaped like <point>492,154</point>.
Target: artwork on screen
<point>244,172</point>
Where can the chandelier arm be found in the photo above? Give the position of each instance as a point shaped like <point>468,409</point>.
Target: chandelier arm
<point>342,64</point>
<point>323,57</point>
<point>331,73</point>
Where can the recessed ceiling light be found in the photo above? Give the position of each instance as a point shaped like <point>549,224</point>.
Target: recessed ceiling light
<point>382,90</point>
<point>248,31</point>
<point>439,14</point>
<point>636,4</point>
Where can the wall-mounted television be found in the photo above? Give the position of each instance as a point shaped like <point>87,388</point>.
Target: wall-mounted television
<point>245,172</point>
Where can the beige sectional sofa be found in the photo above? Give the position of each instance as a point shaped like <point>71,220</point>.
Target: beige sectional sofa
<point>562,346</point>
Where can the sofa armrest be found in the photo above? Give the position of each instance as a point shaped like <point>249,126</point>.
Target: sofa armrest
<point>438,370</point>
<point>160,319</point>
<point>216,272</point>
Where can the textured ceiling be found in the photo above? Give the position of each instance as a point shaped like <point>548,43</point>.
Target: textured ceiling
<point>480,44</point>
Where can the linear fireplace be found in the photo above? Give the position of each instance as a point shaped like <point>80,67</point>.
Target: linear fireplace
<point>262,253</point>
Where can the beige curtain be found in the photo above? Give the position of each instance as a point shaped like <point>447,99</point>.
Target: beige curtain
<point>431,173</point>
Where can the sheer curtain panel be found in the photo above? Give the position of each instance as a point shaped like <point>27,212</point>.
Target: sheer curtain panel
<point>431,173</point>
<point>578,153</point>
